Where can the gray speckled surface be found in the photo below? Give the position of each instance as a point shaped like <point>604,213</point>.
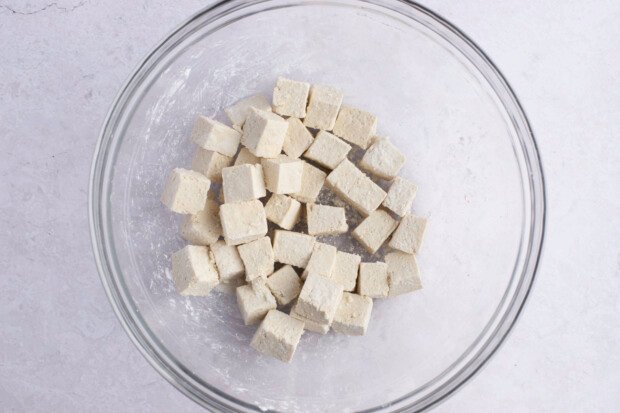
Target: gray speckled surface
<point>61,347</point>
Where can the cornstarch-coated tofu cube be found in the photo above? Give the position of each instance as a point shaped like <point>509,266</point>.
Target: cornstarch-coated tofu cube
<point>255,301</point>
<point>257,257</point>
<point>354,187</point>
<point>185,192</point>
<point>283,210</point>
<point>239,111</point>
<point>228,262</point>
<point>215,136</point>
<point>327,150</point>
<point>309,325</point>
<point>374,230</point>
<point>319,299</point>
<point>264,133</point>
<point>400,196</point>
<point>194,271</point>
<point>403,273</point>
<point>243,183</point>
<point>383,159</point>
<point>353,315</point>
<point>210,163</point>
<point>283,174</point>
<point>290,97</point>
<point>246,157</point>
<point>323,106</point>
<point>325,220</point>
<point>355,126</point>
<point>285,285</point>
<point>321,261</point>
<point>297,139</point>
<point>293,248</point>
<point>243,222</point>
<point>312,180</point>
<point>278,336</point>
<point>345,270</point>
<point>203,228</point>
<point>373,280</point>
<point>409,234</point>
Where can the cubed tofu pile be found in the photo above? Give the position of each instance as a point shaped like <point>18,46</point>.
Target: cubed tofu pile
<point>274,158</point>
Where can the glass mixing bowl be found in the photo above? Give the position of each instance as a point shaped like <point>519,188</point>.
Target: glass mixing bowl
<point>468,147</point>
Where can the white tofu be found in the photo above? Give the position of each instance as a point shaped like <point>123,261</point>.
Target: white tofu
<point>264,133</point>
<point>215,136</point>
<point>345,270</point>
<point>203,228</point>
<point>246,157</point>
<point>285,285</point>
<point>292,248</point>
<point>210,163</point>
<point>319,299</point>
<point>312,180</point>
<point>290,97</point>
<point>403,273</point>
<point>323,106</point>
<point>409,234</point>
<point>278,336</point>
<point>228,262</point>
<point>354,187</point>
<point>257,257</point>
<point>374,230</point>
<point>243,222</point>
<point>400,196</point>
<point>355,126</point>
<point>327,150</point>
<point>283,210</point>
<point>383,159</point>
<point>185,192</point>
<point>353,315</point>
<point>321,261</point>
<point>326,220</point>
<point>283,175</point>
<point>373,280</point>
<point>309,325</point>
<point>297,139</point>
<point>239,111</point>
<point>243,183</point>
<point>255,301</point>
<point>194,271</point>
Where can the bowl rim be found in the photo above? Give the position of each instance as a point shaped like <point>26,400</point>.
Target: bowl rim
<point>183,379</point>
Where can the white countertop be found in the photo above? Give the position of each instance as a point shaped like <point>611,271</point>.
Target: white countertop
<point>62,63</point>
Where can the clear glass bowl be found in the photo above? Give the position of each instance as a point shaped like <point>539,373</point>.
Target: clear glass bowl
<point>468,147</point>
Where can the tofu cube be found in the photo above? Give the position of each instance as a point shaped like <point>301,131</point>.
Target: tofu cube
<point>243,222</point>
<point>290,97</point>
<point>323,106</point>
<point>203,228</point>
<point>278,336</point>
<point>283,210</point>
<point>255,301</point>
<point>297,139</point>
<point>292,248</point>
<point>210,164</point>
<point>284,285</point>
<point>373,280</point>
<point>243,183</point>
<point>345,270</point>
<point>352,185</point>
<point>409,234</point>
<point>353,315</point>
<point>309,325</point>
<point>403,273</point>
<point>319,299</point>
<point>321,261</point>
<point>239,111</point>
<point>283,174</point>
<point>257,257</point>
<point>215,136</point>
<point>246,157</point>
<point>312,180</point>
<point>228,262</point>
<point>185,192</point>
<point>194,271</point>
<point>325,220</point>
<point>327,150</point>
<point>264,133</point>
<point>400,196</point>
<point>355,126</point>
<point>383,159</point>
<point>374,230</point>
